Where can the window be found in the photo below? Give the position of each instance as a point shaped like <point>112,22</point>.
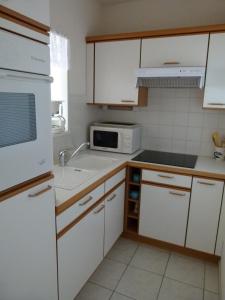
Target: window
<point>59,58</point>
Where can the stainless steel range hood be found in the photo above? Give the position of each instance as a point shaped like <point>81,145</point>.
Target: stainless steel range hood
<point>171,77</point>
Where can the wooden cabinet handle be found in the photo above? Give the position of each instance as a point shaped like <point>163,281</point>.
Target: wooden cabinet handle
<point>86,201</point>
<point>216,104</point>
<point>171,63</point>
<point>177,194</point>
<point>48,188</point>
<point>166,176</point>
<point>111,198</point>
<point>99,210</point>
<point>128,101</point>
<point>206,183</point>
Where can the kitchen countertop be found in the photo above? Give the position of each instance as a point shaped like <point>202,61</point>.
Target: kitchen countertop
<point>205,166</point>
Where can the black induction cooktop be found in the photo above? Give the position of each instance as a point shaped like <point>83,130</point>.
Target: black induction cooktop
<point>167,158</point>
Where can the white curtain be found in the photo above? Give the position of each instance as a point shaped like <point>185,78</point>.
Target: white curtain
<point>59,51</point>
<point>59,57</point>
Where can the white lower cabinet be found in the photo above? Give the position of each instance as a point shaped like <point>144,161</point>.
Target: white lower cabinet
<point>114,213</point>
<point>204,214</point>
<point>164,213</point>
<point>80,250</point>
<point>221,230</point>
<point>28,268</point>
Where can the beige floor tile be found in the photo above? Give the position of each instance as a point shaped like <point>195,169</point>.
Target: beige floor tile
<point>212,277</point>
<point>123,250</point>
<point>108,273</point>
<point>93,292</point>
<point>150,259</point>
<point>174,290</point>
<point>117,296</point>
<point>186,269</point>
<point>210,296</point>
<point>139,284</point>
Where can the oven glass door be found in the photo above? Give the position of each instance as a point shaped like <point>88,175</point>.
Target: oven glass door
<point>106,139</point>
<point>25,127</point>
<point>17,118</point>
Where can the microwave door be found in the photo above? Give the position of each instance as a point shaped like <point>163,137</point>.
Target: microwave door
<point>25,127</point>
<point>106,140</point>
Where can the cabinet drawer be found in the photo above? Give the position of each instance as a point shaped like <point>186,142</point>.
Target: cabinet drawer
<point>114,180</point>
<point>78,208</point>
<point>167,178</point>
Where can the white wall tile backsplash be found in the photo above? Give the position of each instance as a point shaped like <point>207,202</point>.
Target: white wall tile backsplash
<point>174,121</point>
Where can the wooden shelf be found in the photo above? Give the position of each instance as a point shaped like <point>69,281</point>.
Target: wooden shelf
<point>132,226</point>
<point>134,183</point>
<point>133,215</point>
<point>133,201</point>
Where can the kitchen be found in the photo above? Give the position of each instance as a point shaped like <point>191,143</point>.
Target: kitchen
<point>172,238</point>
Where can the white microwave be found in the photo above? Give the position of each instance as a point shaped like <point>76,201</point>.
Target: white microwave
<point>115,137</point>
<point>25,123</point>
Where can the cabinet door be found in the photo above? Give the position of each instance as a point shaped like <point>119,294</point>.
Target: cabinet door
<point>36,10</point>
<point>221,230</point>
<point>114,213</point>
<point>80,251</point>
<point>163,214</point>
<point>215,76</point>
<point>28,246</point>
<point>188,51</point>
<point>115,65</point>
<point>90,73</point>
<point>204,214</point>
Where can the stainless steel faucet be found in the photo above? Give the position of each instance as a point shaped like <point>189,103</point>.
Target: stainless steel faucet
<point>62,157</point>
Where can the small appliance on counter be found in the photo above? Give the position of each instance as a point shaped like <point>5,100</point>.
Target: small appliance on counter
<point>219,146</point>
<point>115,137</point>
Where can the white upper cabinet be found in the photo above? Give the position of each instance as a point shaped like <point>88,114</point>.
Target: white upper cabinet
<point>204,214</point>
<point>188,51</point>
<point>215,76</point>
<point>36,10</point>
<point>115,65</point>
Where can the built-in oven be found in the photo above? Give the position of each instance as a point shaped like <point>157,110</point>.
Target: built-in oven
<point>25,123</point>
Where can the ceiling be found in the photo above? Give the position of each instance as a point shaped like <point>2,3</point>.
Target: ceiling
<point>105,2</point>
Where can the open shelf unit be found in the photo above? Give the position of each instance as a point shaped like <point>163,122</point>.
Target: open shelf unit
<point>132,201</point>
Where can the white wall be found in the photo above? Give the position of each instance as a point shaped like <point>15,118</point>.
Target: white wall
<point>140,15</point>
<point>174,121</point>
<point>75,19</point>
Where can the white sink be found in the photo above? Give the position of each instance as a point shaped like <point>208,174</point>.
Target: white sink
<point>91,162</point>
<point>69,178</point>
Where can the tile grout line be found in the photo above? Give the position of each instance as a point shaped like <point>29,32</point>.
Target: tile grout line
<point>164,275</point>
<point>124,272</point>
